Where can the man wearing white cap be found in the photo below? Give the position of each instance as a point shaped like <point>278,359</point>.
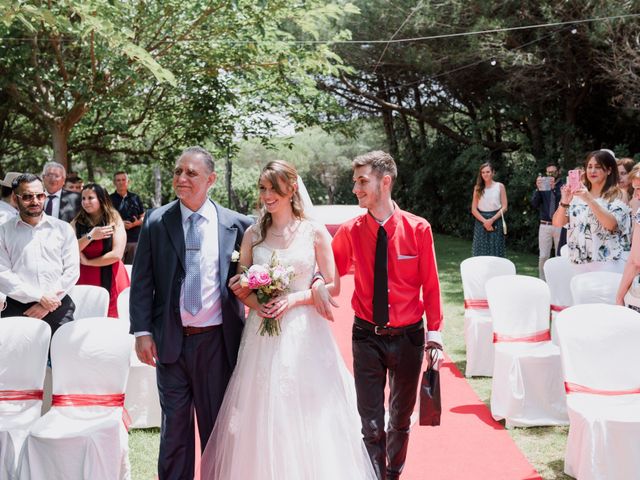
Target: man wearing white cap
<point>8,209</point>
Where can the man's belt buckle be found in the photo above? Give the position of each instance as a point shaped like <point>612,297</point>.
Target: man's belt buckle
<point>383,330</point>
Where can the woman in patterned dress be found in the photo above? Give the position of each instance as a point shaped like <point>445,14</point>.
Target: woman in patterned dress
<point>598,217</point>
<point>488,204</point>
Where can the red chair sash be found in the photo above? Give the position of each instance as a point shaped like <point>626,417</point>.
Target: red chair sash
<point>557,308</point>
<point>17,395</point>
<point>90,400</point>
<point>478,304</point>
<point>541,336</point>
<point>575,388</point>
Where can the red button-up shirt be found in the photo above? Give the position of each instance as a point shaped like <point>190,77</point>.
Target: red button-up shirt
<point>411,267</point>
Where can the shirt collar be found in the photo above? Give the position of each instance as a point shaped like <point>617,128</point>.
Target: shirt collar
<point>207,210</point>
<point>45,220</point>
<point>389,224</point>
<point>57,194</point>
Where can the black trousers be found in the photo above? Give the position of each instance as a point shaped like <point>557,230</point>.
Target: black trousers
<point>63,314</point>
<point>375,357</point>
<point>197,379</point>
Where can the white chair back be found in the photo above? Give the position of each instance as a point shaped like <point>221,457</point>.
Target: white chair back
<point>475,272</point>
<point>564,251</point>
<point>123,305</point>
<point>101,347</point>
<point>599,346</point>
<point>90,301</point>
<point>558,273</point>
<point>595,287</point>
<point>519,305</point>
<point>24,344</point>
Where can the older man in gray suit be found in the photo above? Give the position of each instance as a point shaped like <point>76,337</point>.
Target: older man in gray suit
<point>60,203</point>
<point>186,321</point>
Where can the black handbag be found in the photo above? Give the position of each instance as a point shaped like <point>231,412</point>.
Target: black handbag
<point>430,405</point>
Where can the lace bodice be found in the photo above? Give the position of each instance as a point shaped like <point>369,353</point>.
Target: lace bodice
<point>300,254</point>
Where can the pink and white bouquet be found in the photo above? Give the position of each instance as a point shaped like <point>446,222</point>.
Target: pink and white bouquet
<point>268,281</point>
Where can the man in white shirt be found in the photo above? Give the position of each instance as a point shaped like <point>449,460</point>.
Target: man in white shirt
<point>59,203</point>
<point>39,258</point>
<point>8,208</point>
<point>186,321</point>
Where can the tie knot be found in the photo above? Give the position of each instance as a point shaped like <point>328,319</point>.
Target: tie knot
<point>194,217</point>
<point>382,231</point>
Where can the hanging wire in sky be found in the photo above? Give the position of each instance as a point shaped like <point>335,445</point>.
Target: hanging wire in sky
<point>386,41</point>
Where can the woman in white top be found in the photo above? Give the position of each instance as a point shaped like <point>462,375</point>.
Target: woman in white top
<point>488,204</point>
<point>598,217</point>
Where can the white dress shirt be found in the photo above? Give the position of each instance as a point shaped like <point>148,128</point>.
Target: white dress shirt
<point>211,312</point>
<point>7,212</point>
<point>37,260</point>
<point>55,212</point>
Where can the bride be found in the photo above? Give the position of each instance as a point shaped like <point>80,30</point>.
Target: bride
<point>289,412</point>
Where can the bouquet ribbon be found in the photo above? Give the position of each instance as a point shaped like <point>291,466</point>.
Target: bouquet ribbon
<point>93,400</point>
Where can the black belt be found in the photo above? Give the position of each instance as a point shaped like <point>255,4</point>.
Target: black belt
<point>546,222</point>
<point>187,331</point>
<point>388,331</point>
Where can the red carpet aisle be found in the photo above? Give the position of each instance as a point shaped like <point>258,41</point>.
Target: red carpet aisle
<point>468,445</point>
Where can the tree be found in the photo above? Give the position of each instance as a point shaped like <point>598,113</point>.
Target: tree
<point>142,78</point>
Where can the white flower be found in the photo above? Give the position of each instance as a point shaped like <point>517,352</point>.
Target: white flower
<point>235,256</point>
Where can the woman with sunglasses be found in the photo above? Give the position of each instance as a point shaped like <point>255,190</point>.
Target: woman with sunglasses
<point>102,239</point>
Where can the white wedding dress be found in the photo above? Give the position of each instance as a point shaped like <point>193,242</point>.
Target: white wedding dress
<point>289,412</point>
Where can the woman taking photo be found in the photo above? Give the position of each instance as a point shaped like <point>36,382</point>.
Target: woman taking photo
<point>598,217</point>
<point>488,205</point>
<point>101,238</point>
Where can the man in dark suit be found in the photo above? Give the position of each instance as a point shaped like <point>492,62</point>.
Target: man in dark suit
<point>60,203</point>
<point>186,321</point>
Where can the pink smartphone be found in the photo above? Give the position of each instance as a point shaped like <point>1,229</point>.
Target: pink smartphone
<point>573,180</point>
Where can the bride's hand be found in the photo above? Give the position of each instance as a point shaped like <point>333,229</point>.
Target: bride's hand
<point>275,307</point>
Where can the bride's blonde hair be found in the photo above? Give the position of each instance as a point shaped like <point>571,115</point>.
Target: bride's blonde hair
<point>275,172</point>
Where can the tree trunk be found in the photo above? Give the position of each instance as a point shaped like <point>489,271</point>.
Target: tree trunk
<point>90,170</point>
<point>60,137</point>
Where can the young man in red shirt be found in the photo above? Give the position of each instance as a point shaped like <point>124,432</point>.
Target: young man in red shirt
<point>394,259</point>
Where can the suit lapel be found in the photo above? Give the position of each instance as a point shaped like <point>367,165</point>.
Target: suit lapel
<point>227,235</point>
<point>172,220</point>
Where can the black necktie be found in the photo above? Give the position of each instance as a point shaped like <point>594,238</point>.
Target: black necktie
<point>49,208</point>
<point>381,281</point>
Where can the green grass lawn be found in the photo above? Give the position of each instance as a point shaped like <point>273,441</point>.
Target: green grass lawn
<point>543,446</point>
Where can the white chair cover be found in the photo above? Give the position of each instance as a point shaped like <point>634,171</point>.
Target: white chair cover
<point>595,287</point>
<point>527,388</point>
<point>83,442</point>
<point>599,345</point>
<point>478,332</point>
<point>142,400</point>
<point>129,269</point>
<point>558,272</point>
<point>90,300</point>
<point>24,344</point>
<point>564,251</point>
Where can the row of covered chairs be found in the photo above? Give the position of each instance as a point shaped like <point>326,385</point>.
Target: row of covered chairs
<point>83,435</point>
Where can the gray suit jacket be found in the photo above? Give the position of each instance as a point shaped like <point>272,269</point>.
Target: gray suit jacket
<point>158,273</point>
<point>69,205</point>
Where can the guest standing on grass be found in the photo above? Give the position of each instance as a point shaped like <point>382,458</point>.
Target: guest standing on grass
<point>597,215</point>
<point>396,282</point>
<point>489,204</point>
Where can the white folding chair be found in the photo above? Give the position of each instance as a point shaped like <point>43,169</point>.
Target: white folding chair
<point>564,251</point>
<point>595,287</point>
<point>90,301</point>
<point>600,355</point>
<point>24,344</point>
<point>558,273</point>
<point>478,332</point>
<point>526,388</point>
<point>83,435</point>
<point>141,401</point>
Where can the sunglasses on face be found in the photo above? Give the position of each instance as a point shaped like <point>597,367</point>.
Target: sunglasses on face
<point>28,197</point>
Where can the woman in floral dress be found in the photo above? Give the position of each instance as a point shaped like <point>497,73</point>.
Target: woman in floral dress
<point>598,217</point>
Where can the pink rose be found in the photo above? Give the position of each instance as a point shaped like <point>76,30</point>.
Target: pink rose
<point>258,276</point>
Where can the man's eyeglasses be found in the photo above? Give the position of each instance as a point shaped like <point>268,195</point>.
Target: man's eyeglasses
<point>28,197</point>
